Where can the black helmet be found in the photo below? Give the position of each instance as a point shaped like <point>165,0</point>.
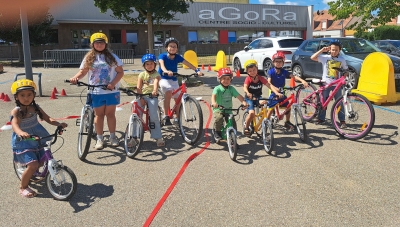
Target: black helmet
<point>171,40</point>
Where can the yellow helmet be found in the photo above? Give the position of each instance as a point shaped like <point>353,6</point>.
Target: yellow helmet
<point>98,37</point>
<point>250,63</point>
<point>23,84</point>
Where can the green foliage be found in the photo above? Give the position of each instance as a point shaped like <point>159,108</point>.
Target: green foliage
<point>387,32</point>
<point>372,12</point>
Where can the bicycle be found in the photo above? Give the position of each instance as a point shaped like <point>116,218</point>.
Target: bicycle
<point>136,127</point>
<point>60,180</point>
<point>358,111</point>
<point>261,122</point>
<point>228,133</point>
<point>86,122</point>
<point>190,115</point>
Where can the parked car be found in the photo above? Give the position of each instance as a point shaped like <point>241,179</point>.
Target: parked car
<point>262,49</point>
<point>353,50</point>
<point>389,46</point>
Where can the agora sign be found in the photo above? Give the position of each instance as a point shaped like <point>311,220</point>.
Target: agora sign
<point>232,13</point>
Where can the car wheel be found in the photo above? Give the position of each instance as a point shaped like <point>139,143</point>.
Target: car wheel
<point>267,66</point>
<point>352,79</point>
<point>298,71</point>
<point>237,66</point>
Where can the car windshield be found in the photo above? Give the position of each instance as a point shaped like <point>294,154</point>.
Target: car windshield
<point>395,43</point>
<point>288,43</point>
<point>358,46</point>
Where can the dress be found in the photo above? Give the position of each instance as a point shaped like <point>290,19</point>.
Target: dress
<point>27,151</point>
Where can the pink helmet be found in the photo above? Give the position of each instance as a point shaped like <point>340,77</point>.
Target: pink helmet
<point>279,55</point>
<point>224,72</point>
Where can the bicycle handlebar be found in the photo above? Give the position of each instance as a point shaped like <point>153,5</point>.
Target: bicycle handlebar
<point>342,70</point>
<point>181,75</point>
<point>228,109</point>
<point>59,131</point>
<point>80,83</point>
<point>131,93</point>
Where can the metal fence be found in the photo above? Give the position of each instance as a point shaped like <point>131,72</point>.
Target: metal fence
<point>60,58</point>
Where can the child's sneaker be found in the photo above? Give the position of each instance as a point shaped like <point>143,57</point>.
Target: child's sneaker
<point>114,141</point>
<point>160,142</point>
<point>167,121</point>
<point>218,136</point>
<point>288,125</point>
<point>99,145</point>
<point>320,122</point>
<point>343,125</point>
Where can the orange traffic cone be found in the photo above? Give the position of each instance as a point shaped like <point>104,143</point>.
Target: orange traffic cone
<point>209,68</point>
<point>63,93</point>
<point>55,90</point>
<point>292,82</point>
<point>202,67</point>
<point>53,95</point>
<point>2,96</point>
<point>238,73</point>
<point>6,98</point>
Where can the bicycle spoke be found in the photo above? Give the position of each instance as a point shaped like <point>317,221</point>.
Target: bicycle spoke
<point>191,120</point>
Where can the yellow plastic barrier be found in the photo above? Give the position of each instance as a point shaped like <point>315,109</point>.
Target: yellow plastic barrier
<point>376,80</point>
<point>220,61</point>
<point>191,57</point>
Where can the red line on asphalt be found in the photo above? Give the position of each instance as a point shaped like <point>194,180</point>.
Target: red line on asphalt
<point>181,171</point>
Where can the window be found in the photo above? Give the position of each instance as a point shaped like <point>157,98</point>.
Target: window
<point>311,46</point>
<point>254,44</point>
<point>290,43</point>
<point>231,37</point>
<point>285,33</point>
<point>115,36</point>
<point>192,37</point>
<point>210,36</point>
<point>324,25</point>
<point>53,36</point>
<point>132,37</point>
<point>248,36</point>
<point>85,38</point>
<point>265,43</point>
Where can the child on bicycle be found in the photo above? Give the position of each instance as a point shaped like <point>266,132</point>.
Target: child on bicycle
<point>222,95</point>
<point>24,123</point>
<point>148,83</point>
<point>329,75</point>
<point>253,91</point>
<point>103,68</point>
<point>277,77</point>
<point>168,65</point>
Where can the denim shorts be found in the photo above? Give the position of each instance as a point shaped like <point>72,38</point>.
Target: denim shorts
<point>252,103</point>
<point>111,99</point>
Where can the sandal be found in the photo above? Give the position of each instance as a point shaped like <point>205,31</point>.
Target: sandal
<point>247,132</point>
<point>27,193</point>
<point>160,142</point>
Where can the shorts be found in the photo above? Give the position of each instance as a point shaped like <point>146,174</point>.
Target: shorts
<point>111,99</point>
<point>26,156</point>
<point>169,85</point>
<point>252,103</point>
<point>273,103</point>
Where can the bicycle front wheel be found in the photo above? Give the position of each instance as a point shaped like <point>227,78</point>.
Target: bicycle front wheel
<point>63,185</point>
<point>299,123</point>
<point>308,101</point>
<point>359,117</point>
<point>133,137</point>
<point>232,144</point>
<point>190,120</point>
<point>267,135</point>
<point>85,133</point>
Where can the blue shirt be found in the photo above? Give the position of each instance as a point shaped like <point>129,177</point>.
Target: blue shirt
<point>170,64</point>
<point>278,80</point>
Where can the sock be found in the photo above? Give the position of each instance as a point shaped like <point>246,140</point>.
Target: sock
<point>100,137</point>
<point>112,134</point>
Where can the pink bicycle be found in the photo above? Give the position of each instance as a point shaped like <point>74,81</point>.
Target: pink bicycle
<point>358,111</point>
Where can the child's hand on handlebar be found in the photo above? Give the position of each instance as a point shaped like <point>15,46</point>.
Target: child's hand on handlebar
<point>169,73</point>
<point>200,73</point>
<point>305,84</point>
<point>280,95</point>
<point>215,105</point>
<point>63,125</point>
<point>249,95</point>
<point>154,93</point>
<point>244,103</point>
<point>73,80</point>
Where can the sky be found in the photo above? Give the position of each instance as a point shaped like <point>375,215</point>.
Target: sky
<point>318,4</point>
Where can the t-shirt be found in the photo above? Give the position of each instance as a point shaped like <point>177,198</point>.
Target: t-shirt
<point>224,96</point>
<point>148,81</point>
<point>278,80</point>
<point>255,88</point>
<point>170,64</point>
<point>328,62</point>
<point>102,73</point>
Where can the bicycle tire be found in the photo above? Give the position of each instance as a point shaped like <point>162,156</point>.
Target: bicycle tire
<point>67,181</point>
<point>133,139</point>
<point>361,119</point>
<point>232,144</point>
<point>308,104</point>
<point>85,133</point>
<point>19,169</point>
<point>299,124</point>
<point>268,136</point>
<point>191,126</point>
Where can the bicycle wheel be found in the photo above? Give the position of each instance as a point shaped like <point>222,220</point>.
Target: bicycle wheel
<point>231,141</point>
<point>299,123</point>
<point>85,133</point>
<point>268,135</point>
<point>308,101</point>
<point>133,136</point>
<point>63,185</point>
<point>359,120</point>
<point>190,120</point>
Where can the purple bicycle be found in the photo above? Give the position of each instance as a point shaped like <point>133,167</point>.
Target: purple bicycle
<point>61,180</point>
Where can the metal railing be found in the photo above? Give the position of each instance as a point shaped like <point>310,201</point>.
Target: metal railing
<point>60,58</point>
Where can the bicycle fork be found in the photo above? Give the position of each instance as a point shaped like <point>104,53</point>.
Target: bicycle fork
<point>52,165</point>
<point>185,97</point>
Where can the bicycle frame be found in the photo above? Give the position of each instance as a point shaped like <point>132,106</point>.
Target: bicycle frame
<point>227,127</point>
<point>339,83</point>
<point>139,111</point>
<point>263,114</point>
<point>180,99</point>
<point>291,99</point>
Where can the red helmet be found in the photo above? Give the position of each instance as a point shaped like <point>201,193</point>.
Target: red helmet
<point>224,72</point>
<point>279,55</point>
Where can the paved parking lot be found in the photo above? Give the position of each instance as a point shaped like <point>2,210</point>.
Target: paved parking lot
<point>327,181</point>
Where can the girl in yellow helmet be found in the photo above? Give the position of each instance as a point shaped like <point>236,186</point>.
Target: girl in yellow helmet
<point>103,68</point>
<point>24,122</point>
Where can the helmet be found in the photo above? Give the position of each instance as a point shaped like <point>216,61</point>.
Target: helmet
<point>224,72</point>
<point>23,84</point>
<point>171,40</point>
<point>98,37</point>
<point>250,63</point>
<point>149,57</point>
<point>279,55</point>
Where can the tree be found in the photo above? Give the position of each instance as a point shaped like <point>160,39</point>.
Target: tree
<point>39,27</point>
<point>372,13</point>
<point>142,11</point>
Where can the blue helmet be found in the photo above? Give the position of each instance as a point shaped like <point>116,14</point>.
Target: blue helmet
<point>149,57</point>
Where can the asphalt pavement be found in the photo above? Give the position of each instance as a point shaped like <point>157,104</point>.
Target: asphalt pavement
<point>327,181</point>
